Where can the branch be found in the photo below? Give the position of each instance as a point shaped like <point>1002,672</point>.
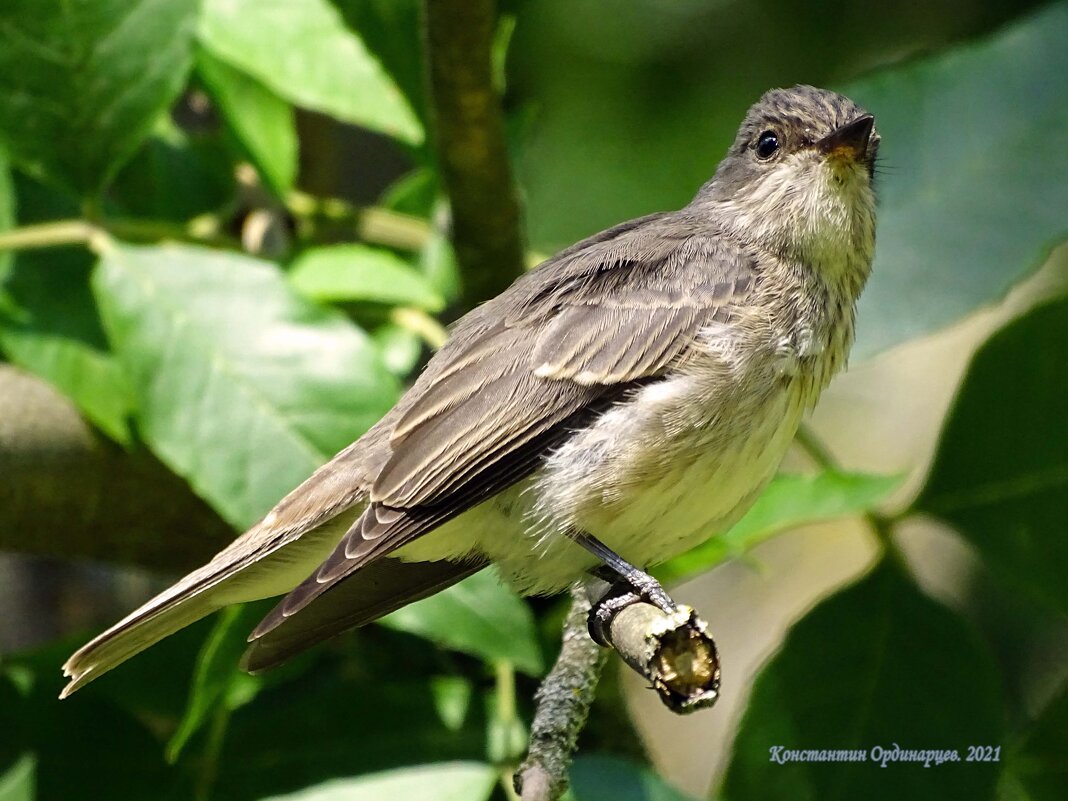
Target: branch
<point>470,144</point>
<point>673,652</point>
<point>69,492</point>
<point>564,699</point>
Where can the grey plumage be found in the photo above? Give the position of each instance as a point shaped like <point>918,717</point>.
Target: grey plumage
<point>687,340</point>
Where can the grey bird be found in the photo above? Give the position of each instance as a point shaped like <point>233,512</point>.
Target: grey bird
<point>617,405</point>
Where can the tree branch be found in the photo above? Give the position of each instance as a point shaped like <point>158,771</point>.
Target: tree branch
<point>469,140</point>
<point>69,492</point>
<point>564,700</point>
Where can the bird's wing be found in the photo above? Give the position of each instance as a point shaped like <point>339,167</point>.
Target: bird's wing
<point>528,368</point>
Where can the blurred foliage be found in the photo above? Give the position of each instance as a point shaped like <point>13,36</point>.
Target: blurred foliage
<point>180,255</point>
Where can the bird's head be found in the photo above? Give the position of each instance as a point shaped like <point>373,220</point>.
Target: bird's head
<point>798,178</point>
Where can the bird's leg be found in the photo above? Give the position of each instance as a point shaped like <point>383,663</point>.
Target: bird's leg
<point>627,584</point>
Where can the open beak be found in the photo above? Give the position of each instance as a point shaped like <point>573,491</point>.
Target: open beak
<point>850,140</point>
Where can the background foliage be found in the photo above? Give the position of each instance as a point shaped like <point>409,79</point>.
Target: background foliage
<point>224,240</point>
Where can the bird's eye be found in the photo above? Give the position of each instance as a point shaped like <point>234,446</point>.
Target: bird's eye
<point>767,145</point>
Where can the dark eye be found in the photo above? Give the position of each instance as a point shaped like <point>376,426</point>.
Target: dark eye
<point>767,144</point>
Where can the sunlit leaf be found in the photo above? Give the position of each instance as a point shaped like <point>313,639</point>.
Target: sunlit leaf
<point>243,387</point>
<point>875,666</point>
<point>1001,472</point>
<point>82,83</point>
<point>303,51</point>
<point>361,273</point>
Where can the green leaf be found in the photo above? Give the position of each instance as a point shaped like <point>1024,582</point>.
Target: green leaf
<point>400,348</point>
<point>218,685</point>
<point>1001,472</point>
<point>49,324</point>
<point>82,83</point>
<point>261,121</point>
<point>876,665</point>
<point>452,699</point>
<point>302,50</point>
<point>606,778</point>
<point>437,261</point>
<point>361,273</point>
<point>18,782</point>
<point>176,175</point>
<point>449,781</point>
<point>788,502</point>
<point>243,387</point>
<point>1037,768</point>
<point>968,207</point>
<point>478,616</point>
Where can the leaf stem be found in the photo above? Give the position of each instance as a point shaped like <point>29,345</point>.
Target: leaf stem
<point>60,233</point>
<point>882,526</point>
<point>812,445</point>
<point>372,223</point>
<point>419,322</point>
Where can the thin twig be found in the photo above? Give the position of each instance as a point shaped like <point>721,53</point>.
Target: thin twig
<point>60,233</point>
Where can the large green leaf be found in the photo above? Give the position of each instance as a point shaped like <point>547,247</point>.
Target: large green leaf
<point>359,272</point>
<point>479,616</point>
<point>302,50</point>
<point>1001,472</point>
<point>605,778</point>
<point>974,197</point>
<point>262,122</point>
<point>242,386</point>
<point>789,501</point>
<point>875,668</point>
<point>449,781</point>
<point>82,82</point>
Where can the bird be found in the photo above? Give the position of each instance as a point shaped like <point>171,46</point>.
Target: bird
<point>617,405</point>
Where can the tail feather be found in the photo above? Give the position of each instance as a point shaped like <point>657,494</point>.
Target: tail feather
<point>251,568</point>
<point>130,636</point>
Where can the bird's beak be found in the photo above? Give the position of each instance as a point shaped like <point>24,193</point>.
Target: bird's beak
<point>850,141</point>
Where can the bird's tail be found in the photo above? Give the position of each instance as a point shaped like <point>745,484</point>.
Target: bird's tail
<point>239,573</point>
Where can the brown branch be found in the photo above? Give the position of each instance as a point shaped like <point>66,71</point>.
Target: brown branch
<point>673,652</point>
<point>67,491</point>
<point>564,700</point>
<point>470,144</point>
